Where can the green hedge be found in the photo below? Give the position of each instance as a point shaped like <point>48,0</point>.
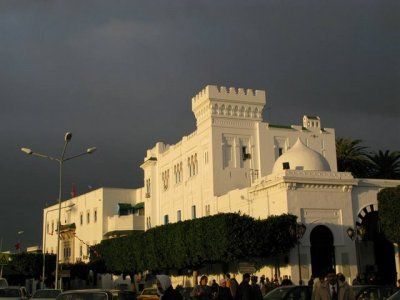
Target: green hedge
<point>389,212</point>
<point>222,238</point>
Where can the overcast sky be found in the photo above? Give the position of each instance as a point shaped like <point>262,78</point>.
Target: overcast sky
<point>120,76</point>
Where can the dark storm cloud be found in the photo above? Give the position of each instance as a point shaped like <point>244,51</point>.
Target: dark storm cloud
<point>120,76</point>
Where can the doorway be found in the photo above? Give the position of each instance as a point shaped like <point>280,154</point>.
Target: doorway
<point>322,250</point>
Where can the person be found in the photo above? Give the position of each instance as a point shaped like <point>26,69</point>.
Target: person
<point>224,293</point>
<point>263,285</point>
<point>244,290</point>
<point>357,280</point>
<point>317,284</point>
<point>232,284</point>
<point>333,289</point>
<point>286,281</point>
<point>311,281</point>
<point>201,291</point>
<point>214,288</point>
<point>255,288</point>
<point>341,278</point>
<point>275,281</point>
<point>165,289</point>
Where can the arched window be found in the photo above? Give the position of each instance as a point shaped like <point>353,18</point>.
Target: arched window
<point>196,166</point>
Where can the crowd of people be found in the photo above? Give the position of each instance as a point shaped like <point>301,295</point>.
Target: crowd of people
<point>228,288</point>
<point>332,286</point>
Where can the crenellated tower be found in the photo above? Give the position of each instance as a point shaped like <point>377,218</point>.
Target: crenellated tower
<point>232,103</point>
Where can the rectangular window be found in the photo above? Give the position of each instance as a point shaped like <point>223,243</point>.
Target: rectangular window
<point>80,250</point>
<point>148,222</point>
<point>166,219</point>
<point>179,216</point>
<point>208,211</point>
<point>48,228</point>
<point>148,188</point>
<point>95,215</point>
<point>52,227</point>
<point>88,217</point>
<point>227,155</point>
<point>194,212</point>
<point>280,151</point>
<point>81,218</point>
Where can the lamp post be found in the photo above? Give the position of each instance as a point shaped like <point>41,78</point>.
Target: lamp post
<point>355,235</point>
<point>60,161</point>
<point>19,240</point>
<point>44,242</point>
<point>300,230</point>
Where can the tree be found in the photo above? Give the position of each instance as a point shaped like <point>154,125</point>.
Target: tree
<point>352,157</point>
<point>389,211</point>
<point>385,164</point>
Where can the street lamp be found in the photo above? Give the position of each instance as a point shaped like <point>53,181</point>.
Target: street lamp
<point>60,161</point>
<point>18,245</point>
<point>300,230</point>
<point>44,242</point>
<point>355,235</point>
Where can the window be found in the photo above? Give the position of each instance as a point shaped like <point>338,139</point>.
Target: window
<point>148,222</point>
<point>165,179</point>
<point>88,217</point>
<point>67,250</point>
<point>148,188</point>
<point>196,165</point>
<point>52,227</point>
<point>245,155</point>
<point>166,219</point>
<point>206,157</point>
<point>178,172</point>
<point>179,216</point>
<point>194,212</point>
<point>208,210</point>
<point>80,250</point>
<point>95,215</point>
<point>81,218</point>
<point>280,151</point>
<point>193,166</point>
<point>48,228</point>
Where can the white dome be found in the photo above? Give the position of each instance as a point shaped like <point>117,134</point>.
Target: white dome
<point>300,157</point>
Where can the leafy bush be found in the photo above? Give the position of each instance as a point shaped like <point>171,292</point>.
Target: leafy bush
<point>389,212</point>
<point>222,238</point>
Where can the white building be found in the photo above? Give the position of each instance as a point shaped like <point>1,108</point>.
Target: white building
<point>89,218</point>
<point>235,162</point>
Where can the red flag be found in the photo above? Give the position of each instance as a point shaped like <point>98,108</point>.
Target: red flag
<point>17,246</point>
<point>73,191</point>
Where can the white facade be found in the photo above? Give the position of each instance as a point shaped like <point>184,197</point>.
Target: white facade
<point>88,219</point>
<point>235,162</point>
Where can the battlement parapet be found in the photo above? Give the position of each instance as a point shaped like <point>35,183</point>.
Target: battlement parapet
<point>222,93</point>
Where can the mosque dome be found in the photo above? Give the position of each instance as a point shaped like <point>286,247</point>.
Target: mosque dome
<point>300,157</point>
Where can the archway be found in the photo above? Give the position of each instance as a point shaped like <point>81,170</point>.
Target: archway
<point>375,245</point>
<point>322,250</point>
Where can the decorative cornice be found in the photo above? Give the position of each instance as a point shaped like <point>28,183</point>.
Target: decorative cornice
<point>290,180</point>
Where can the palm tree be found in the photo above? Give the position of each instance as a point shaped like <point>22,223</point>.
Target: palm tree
<point>385,164</point>
<point>352,157</point>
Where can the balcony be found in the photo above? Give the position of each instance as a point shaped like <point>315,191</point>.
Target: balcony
<point>122,225</point>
